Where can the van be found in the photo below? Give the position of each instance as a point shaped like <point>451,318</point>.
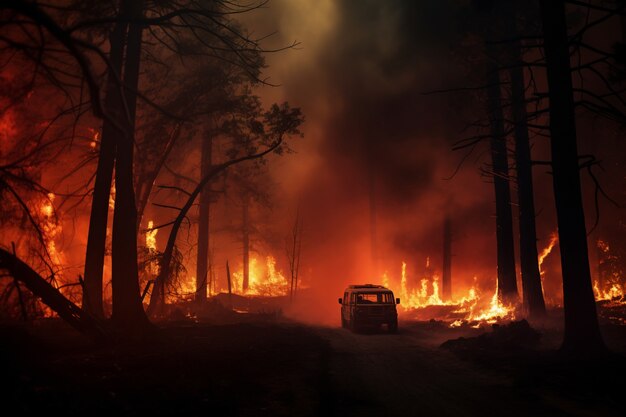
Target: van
<point>369,306</point>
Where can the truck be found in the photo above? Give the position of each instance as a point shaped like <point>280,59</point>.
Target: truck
<point>369,306</point>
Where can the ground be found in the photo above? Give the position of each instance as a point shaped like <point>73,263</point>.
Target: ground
<point>269,366</point>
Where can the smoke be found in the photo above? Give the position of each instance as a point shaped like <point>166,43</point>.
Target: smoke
<point>362,73</point>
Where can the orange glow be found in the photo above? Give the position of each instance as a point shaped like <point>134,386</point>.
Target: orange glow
<point>554,238</point>
<point>615,293</point>
<point>153,266</point>
<point>112,196</point>
<point>475,309</point>
<point>51,229</point>
<point>151,236</point>
<point>264,280</point>
<point>95,139</point>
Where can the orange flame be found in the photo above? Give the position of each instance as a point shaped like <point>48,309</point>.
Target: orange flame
<point>554,238</point>
<point>615,293</point>
<point>266,281</point>
<point>428,294</point>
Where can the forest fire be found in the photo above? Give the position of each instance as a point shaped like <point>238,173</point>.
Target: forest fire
<point>199,198</point>
<point>51,230</point>
<point>473,308</point>
<point>615,293</point>
<point>554,238</point>
<point>265,280</point>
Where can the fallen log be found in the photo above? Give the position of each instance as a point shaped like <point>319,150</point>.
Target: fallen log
<point>67,310</point>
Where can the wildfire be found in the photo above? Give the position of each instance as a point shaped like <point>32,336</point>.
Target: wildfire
<point>50,229</point>
<point>112,196</point>
<point>554,238</point>
<point>497,311</point>
<point>151,236</point>
<point>266,281</point>
<point>615,293</point>
<point>153,266</point>
<point>427,294</point>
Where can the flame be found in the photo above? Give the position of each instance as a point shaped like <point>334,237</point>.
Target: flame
<point>497,311</point>
<point>151,236</point>
<point>153,265</point>
<point>418,298</point>
<point>112,196</point>
<point>50,229</point>
<point>554,238</point>
<point>470,306</point>
<point>266,281</point>
<point>435,299</point>
<point>615,293</point>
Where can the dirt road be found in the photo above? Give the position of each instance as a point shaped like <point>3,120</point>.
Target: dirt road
<point>282,368</point>
<point>407,375</point>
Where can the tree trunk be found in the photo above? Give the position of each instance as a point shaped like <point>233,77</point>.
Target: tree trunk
<point>128,313</point>
<point>582,333</point>
<point>529,261</point>
<point>507,281</point>
<point>202,264</point>
<point>446,279</point>
<point>96,238</point>
<point>245,229</point>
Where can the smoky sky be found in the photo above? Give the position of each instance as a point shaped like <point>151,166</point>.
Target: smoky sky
<point>362,74</point>
<point>379,61</point>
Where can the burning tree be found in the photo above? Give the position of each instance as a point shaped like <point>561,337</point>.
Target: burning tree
<point>105,56</point>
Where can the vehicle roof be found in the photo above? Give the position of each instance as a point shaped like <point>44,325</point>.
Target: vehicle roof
<point>367,288</point>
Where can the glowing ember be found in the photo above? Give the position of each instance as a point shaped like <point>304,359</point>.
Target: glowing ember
<point>95,139</point>
<point>603,246</point>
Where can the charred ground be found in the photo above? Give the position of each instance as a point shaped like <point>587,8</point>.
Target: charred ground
<point>263,364</point>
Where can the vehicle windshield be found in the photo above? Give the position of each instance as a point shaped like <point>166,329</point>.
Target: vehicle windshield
<point>374,298</point>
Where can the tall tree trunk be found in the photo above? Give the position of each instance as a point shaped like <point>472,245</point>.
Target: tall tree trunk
<point>507,281</point>
<point>582,333</point>
<point>446,279</point>
<point>245,229</point>
<point>202,264</point>
<point>529,261</point>
<point>96,237</point>
<point>128,310</point>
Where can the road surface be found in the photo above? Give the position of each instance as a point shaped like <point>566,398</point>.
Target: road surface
<point>406,374</point>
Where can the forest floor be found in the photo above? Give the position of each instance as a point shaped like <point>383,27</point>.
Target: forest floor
<point>265,365</point>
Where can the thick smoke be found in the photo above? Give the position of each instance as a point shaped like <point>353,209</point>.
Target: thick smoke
<point>361,73</point>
